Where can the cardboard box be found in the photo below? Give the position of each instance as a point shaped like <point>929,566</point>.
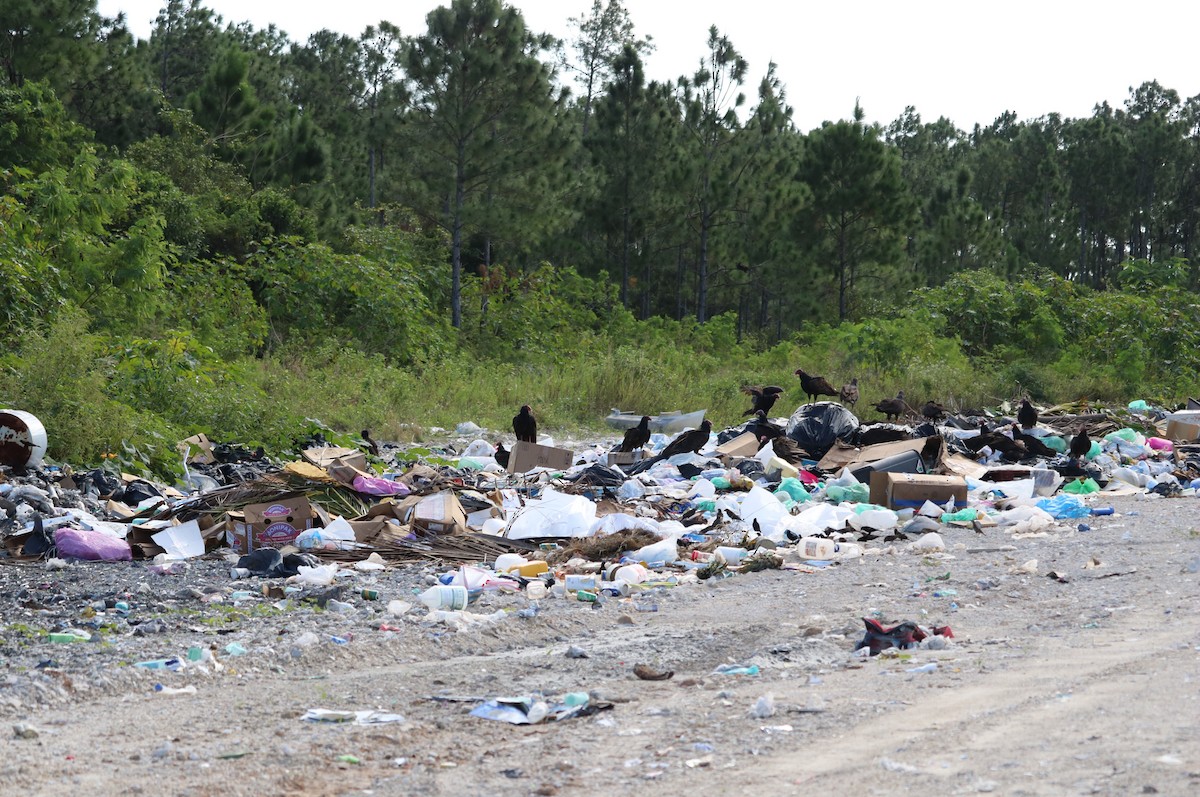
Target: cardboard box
<point>335,455</point>
<point>270,525</point>
<point>744,445</point>
<point>440,513</point>
<point>197,449</point>
<point>617,458</point>
<point>1182,431</point>
<point>527,456</point>
<point>911,490</point>
<point>933,449</point>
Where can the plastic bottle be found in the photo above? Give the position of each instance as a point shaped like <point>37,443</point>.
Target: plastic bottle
<point>732,555</point>
<point>631,574</point>
<point>239,572</point>
<point>444,596</point>
<point>160,664</point>
<point>590,583</point>
<point>816,547</point>
<point>1102,510</point>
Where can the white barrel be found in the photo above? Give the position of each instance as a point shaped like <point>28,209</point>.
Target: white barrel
<point>22,439</point>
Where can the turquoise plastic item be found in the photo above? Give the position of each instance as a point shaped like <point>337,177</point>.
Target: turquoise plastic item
<point>962,514</point>
<point>793,488</point>
<point>836,493</point>
<point>721,483</point>
<point>1139,405</point>
<point>1126,434</point>
<point>1094,451</point>
<point>1055,442</point>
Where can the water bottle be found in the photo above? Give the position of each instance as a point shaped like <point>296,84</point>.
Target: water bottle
<point>733,556</point>
<point>816,547</point>
<point>239,572</point>
<point>444,596</point>
<point>590,583</point>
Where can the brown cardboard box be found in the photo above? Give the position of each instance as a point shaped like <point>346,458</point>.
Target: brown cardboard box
<point>845,456</point>
<point>911,490</point>
<point>614,458</point>
<point>1182,431</point>
<point>335,455</point>
<point>527,456</point>
<point>744,445</point>
<point>203,453</point>
<point>270,525</point>
<point>439,513</point>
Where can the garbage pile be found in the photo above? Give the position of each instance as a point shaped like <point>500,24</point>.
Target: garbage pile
<point>591,524</point>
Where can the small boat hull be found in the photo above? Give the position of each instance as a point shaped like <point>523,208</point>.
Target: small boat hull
<point>666,423</point>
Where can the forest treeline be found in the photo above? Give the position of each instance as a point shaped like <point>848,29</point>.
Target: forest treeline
<point>218,209</point>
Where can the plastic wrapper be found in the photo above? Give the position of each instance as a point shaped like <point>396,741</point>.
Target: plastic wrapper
<point>93,546</point>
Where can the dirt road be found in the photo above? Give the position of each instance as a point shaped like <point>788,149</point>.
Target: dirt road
<point>1085,687</point>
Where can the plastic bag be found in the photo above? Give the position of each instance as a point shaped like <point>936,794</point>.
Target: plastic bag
<point>1062,507</point>
<point>93,546</point>
<point>816,427</point>
<point>793,489</point>
<point>1081,486</point>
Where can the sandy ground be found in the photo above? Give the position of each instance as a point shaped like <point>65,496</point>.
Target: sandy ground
<point>1084,687</point>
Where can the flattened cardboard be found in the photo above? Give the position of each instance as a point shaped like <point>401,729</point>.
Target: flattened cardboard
<point>842,456</point>
<point>270,525</point>
<point>439,513</point>
<point>744,445</point>
<point>527,456</point>
<point>911,490</point>
<point>335,455</point>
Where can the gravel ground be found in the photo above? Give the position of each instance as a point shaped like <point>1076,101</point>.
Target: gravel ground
<point>1084,685</point>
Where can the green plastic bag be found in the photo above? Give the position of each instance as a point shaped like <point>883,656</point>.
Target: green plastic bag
<point>1055,442</point>
<point>1126,434</point>
<point>1139,405</point>
<point>837,494</point>
<point>793,488</point>
<point>962,514</point>
<point>721,483</point>
<point>1081,486</point>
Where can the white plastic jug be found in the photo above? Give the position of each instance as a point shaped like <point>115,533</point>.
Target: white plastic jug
<point>816,547</point>
<point>444,596</point>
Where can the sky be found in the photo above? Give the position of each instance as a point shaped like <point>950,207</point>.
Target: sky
<point>967,60</point>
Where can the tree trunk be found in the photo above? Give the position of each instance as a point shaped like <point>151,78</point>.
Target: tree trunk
<point>456,227</point>
<point>702,264</point>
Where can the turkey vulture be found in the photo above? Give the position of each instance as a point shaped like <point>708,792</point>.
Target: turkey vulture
<point>636,437</point>
<point>690,441</point>
<point>1032,444</point>
<point>1027,415</point>
<point>525,425</point>
<point>762,428</point>
<point>1009,449</point>
<point>502,455</point>
<point>893,407</point>
<point>789,450</point>
<point>372,446</point>
<point>849,393</point>
<point>763,397</point>
<point>815,386</point>
<point>1081,444</point>
<point>933,411</point>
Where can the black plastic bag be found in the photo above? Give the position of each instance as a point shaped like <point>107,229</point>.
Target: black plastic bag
<point>816,427</point>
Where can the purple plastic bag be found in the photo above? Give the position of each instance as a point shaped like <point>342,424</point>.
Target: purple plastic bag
<point>91,545</point>
<point>373,485</point>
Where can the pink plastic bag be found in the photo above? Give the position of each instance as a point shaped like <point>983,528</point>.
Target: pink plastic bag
<point>1160,444</point>
<point>91,545</point>
<point>373,485</point>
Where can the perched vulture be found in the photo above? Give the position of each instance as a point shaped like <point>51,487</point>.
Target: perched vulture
<point>933,411</point>
<point>789,450</point>
<point>1081,444</point>
<point>1027,415</point>
<point>1032,444</point>
<point>372,446</point>
<point>762,428</point>
<point>764,398</point>
<point>849,393</point>
<point>502,454</point>
<point>893,407</point>
<point>525,425</point>
<point>692,441</point>
<point>815,386</point>
<point>636,437</point>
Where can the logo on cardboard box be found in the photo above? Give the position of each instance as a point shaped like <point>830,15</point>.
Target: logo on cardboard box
<point>278,532</point>
<point>277,510</point>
